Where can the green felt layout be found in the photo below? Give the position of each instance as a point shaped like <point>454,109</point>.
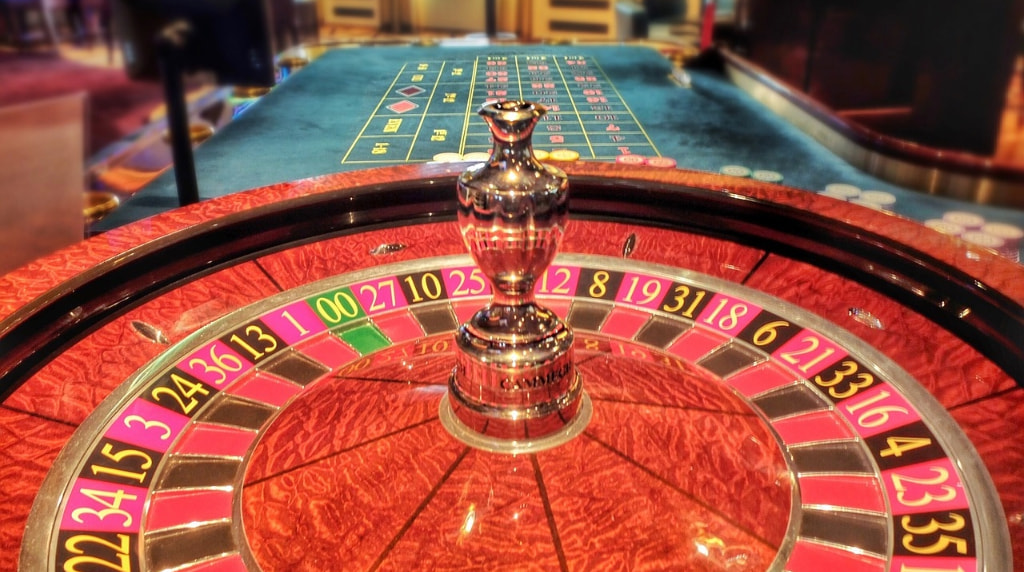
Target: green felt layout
<point>376,106</point>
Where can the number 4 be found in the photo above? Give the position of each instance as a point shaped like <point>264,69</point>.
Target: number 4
<point>900,445</point>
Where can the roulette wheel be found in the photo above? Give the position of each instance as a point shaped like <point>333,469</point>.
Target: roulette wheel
<point>774,380</point>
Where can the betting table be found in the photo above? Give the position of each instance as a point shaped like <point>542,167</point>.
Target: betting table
<point>779,380</point>
<point>362,107</point>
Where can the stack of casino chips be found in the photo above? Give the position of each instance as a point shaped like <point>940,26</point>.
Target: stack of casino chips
<point>763,175</point>
<point>878,200</point>
<point>1004,239</point>
<point>967,221</point>
<point>841,191</point>
<point>641,160</point>
<point>944,226</point>
<point>1011,236</point>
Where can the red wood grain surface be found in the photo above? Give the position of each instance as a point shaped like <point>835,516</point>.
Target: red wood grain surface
<point>37,420</point>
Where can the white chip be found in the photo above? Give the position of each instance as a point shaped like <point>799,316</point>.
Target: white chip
<point>867,204</point>
<point>477,156</point>
<point>448,157</point>
<point>767,176</point>
<point>1007,232</point>
<point>845,190</point>
<point>881,198</point>
<point>735,171</point>
<point>944,226</point>
<point>837,196</point>
<point>969,221</point>
<point>984,240</point>
<point>1011,236</point>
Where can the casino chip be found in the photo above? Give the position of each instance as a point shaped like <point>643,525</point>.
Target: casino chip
<point>448,157</point>
<point>476,156</point>
<point>661,162</point>
<point>984,240</point>
<point>735,171</point>
<point>881,198</point>
<point>867,204</point>
<point>767,176</point>
<point>841,190</point>
<point>631,160</point>
<point>944,226</point>
<point>1011,235</point>
<point>567,155</point>
<point>969,221</point>
<point>1003,231</point>
<point>540,154</point>
<point>837,196</point>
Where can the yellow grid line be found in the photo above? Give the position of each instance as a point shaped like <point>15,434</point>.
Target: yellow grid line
<point>423,116</point>
<point>359,135</point>
<point>469,105</point>
<point>575,109</point>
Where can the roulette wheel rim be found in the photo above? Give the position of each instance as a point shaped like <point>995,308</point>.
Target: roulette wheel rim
<point>597,200</point>
<point>866,256</point>
<point>985,509</point>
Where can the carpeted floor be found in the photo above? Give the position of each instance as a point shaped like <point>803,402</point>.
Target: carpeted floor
<point>117,105</point>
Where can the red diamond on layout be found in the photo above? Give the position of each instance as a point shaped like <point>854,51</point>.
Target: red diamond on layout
<point>402,106</point>
<point>411,91</point>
